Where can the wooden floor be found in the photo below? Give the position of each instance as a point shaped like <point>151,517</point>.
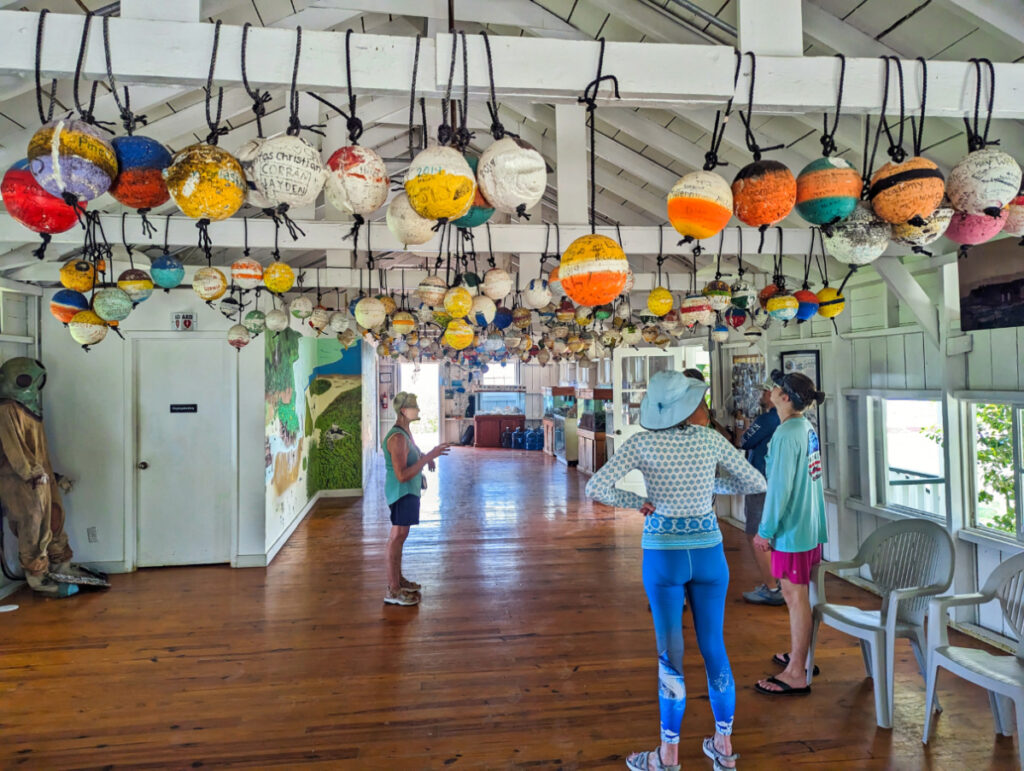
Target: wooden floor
<point>533,648</point>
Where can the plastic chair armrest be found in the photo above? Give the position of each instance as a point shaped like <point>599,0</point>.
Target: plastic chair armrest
<point>937,615</point>
<point>818,576</point>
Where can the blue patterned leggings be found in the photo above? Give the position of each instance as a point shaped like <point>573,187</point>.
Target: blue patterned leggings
<point>700,576</point>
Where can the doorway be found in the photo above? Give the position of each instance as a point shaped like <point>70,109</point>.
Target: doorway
<point>185,461</point>
<point>424,380</point>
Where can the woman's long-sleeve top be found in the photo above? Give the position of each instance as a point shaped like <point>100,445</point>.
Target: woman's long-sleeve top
<point>679,468</point>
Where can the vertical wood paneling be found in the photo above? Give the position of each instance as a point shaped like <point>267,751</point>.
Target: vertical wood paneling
<point>895,362</point>
<point>878,374</point>
<point>913,347</point>
<point>862,363</point>
<point>990,615</point>
<point>979,361</point>
<point>933,362</point>
<point>1004,359</point>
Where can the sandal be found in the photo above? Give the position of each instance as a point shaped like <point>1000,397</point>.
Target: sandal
<point>640,761</point>
<point>717,757</point>
<point>783,661</point>
<point>786,688</point>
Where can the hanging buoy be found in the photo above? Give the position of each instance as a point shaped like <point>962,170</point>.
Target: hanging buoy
<point>700,204</point>
<point>743,294</point>
<point>984,182</point>
<point>537,294</point>
<point>136,283</point>
<point>278,277</point>
<point>483,310</point>
<point>512,175</point>
<point>78,275</point>
<point>245,156</point>
<point>239,336</point>
<point>502,317</point>
<point>206,182</point>
<point>765,294</point>
<point>87,328</point>
<point>458,302</point>
<point>584,315</point>
<point>431,291</point>
<point>301,308</point>
<point>920,236</point>
<point>593,270</point>
<point>859,239</point>
<point>720,333</point>
<point>112,304</point>
<point>390,306</point>
<point>370,313</point>
<point>287,171</point>
<point>735,317</point>
<point>660,301</point>
<point>277,320</point>
<point>357,180</point>
<point>764,193</point>
<point>696,309</point>
<point>338,322</point>
<point>631,335</point>
<point>440,184</point>
<point>318,319</point>
<point>1015,217</point>
<point>459,335</point>
<point>72,156</point>
<point>65,303</point>
<point>209,283</point>
<point>28,203</point>
<point>522,318</point>
<point>808,305</point>
<point>830,302</point>
<point>247,273</point>
<point>555,283</point>
<point>907,191</point>
<point>719,294</point>
<point>753,334</point>
<point>497,284</point>
<point>167,271</point>
<point>255,321</point>
<point>481,210</point>
<point>827,190</point>
<point>140,164</point>
<point>670,322</point>
<point>405,224</point>
<point>403,323</point>
<point>973,229</point>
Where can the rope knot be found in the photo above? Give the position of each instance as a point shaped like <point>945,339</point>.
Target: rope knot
<point>215,134</point>
<point>355,129</point>
<point>444,134</point>
<point>259,103</point>
<point>828,145</point>
<point>711,161</point>
<point>497,130</point>
<point>521,211</point>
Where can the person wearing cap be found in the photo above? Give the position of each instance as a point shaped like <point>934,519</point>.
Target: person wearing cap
<point>755,442</point>
<point>793,526</point>
<point>682,550</point>
<point>403,481</point>
<point>703,415</point>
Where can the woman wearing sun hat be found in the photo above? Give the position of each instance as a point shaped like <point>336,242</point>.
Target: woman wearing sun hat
<point>682,550</point>
<point>403,481</point>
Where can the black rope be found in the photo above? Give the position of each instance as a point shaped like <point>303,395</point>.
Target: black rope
<point>711,161</point>
<point>896,151</point>
<point>259,98</point>
<point>463,136</point>
<point>129,120</point>
<point>828,136</point>
<point>755,149</point>
<point>124,240</point>
<point>352,123</point>
<point>216,130</point>
<point>780,279</point>
<point>445,132</point>
<point>809,257</point>
<point>205,243</point>
<point>412,94</point>
<point>48,115</point>
<point>718,260</point>
<point>739,251</point>
<point>868,168</point>
<point>589,98</point>
<point>490,247</point>
<point>40,251</point>
<point>917,129</point>
<point>86,113</point>
<point>977,139</point>
<point>295,125</point>
<point>498,130</point>
<point>661,256</point>
<point>245,237</point>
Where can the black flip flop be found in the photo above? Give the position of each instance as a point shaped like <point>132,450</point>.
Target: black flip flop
<point>783,661</point>
<point>787,689</point>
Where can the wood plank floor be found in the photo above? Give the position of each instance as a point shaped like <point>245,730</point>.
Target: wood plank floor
<point>533,648</point>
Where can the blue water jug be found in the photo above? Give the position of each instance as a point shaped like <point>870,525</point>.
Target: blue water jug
<point>519,439</point>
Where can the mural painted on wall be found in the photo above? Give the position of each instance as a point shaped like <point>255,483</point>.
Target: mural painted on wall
<point>313,414</point>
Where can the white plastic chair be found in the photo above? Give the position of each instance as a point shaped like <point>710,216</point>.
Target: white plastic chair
<point>1001,676</point>
<point>910,560</point>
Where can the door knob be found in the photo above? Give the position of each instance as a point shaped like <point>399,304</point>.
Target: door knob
<point>143,465</point>
<point>618,432</point>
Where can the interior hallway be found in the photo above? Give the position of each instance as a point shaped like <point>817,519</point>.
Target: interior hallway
<point>532,648</point>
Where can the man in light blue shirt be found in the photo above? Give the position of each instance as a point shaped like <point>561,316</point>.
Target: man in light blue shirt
<point>755,441</point>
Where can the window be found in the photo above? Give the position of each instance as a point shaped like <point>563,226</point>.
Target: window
<point>910,467</point>
<point>500,375</point>
<point>994,487</point>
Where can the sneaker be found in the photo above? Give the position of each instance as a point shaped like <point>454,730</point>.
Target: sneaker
<point>762,595</point>
<point>401,597</point>
<point>412,586</point>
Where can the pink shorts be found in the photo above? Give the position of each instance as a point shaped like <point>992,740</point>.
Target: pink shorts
<point>795,566</point>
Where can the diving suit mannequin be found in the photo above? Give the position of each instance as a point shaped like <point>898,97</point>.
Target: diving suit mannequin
<point>29,489</point>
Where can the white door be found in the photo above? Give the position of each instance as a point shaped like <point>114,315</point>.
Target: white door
<point>632,369</point>
<point>186,473</point>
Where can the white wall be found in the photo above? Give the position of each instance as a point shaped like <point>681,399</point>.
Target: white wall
<point>85,402</point>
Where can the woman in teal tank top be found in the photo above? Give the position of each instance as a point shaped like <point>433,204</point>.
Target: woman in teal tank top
<point>403,481</point>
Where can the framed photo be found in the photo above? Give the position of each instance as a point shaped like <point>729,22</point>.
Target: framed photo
<point>804,362</point>
<point>385,377</point>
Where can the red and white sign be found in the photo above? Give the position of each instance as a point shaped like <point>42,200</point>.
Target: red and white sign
<point>183,321</point>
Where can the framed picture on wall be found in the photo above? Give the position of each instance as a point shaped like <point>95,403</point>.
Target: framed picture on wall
<point>804,362</point>
<point>385,377</point>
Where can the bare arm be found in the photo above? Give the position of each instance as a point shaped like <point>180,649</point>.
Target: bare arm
<point>399,449</point>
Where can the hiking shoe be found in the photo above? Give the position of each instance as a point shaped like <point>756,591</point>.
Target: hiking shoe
<point>401,597</point>
<point>412,586</point>
<point>762,595</point>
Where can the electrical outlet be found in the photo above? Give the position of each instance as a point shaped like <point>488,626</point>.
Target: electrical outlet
<point>90,533</point>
